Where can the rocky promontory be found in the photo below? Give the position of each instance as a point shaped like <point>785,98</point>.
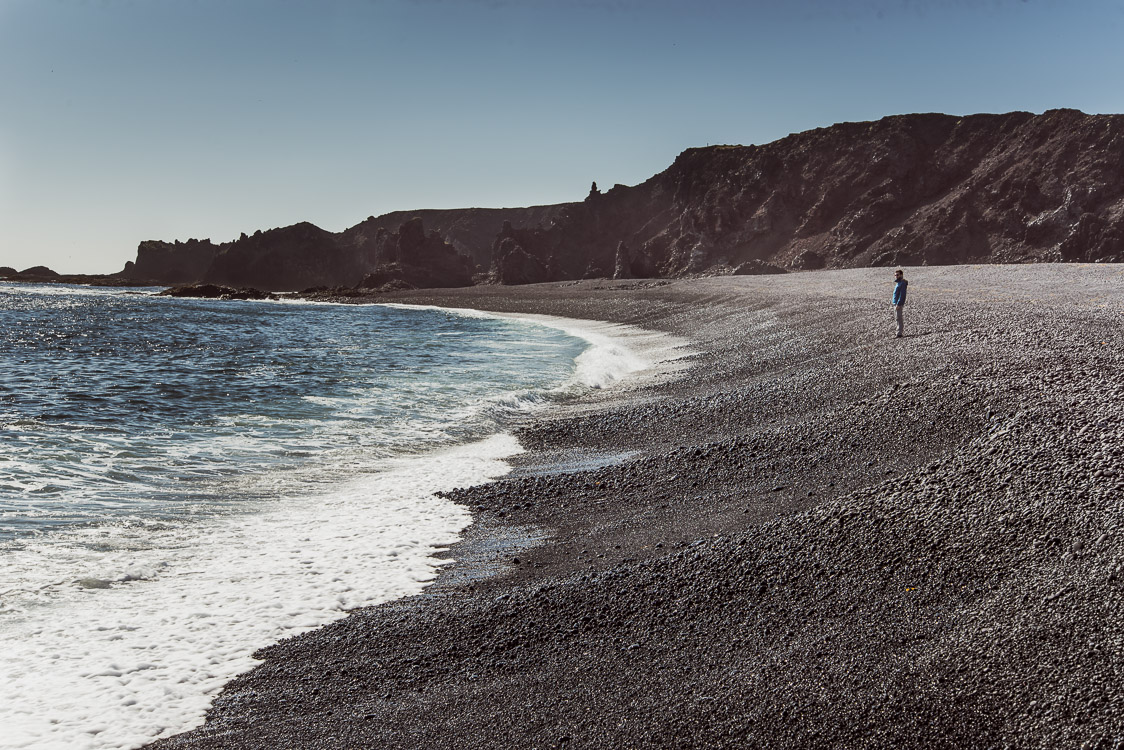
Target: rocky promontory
<point>44,275</point>
<point>410,258</point>
<point>905,190</point>
<point>213,291</point>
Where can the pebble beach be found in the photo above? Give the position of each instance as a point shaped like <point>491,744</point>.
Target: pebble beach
<point>801,533</point>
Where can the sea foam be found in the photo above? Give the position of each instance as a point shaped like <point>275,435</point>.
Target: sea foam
<point>159,619</point>
<point>113,635</point>
<point>617,353</point>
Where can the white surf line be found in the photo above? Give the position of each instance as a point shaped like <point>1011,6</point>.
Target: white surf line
<point>184,608</point>
<point>618,352</point>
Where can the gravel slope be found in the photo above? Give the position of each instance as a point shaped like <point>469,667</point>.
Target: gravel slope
<point>820,536</point>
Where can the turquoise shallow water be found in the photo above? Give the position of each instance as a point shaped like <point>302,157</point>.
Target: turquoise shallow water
<point>124,407</point>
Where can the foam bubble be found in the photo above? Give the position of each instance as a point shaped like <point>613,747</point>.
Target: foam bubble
<point>113,637</point>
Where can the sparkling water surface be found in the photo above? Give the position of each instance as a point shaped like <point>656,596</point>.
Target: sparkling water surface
<point>118,406</point>
<point>184,481</point>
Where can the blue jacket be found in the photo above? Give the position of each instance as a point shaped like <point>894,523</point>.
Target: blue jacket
<point>899,292</point>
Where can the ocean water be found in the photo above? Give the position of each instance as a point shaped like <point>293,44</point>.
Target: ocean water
<point>184,481</point>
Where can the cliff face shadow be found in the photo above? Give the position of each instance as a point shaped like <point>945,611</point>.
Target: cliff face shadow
<point>943,190</point>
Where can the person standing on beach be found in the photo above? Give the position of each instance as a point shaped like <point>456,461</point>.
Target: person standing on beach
<point>898,301</point>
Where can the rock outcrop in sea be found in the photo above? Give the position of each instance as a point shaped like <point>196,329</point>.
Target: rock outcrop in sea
<point>44,275</point>
<point>904,190</point>
<point>213,291</point>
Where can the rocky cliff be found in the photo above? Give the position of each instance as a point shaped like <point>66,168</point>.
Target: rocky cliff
<point>303,255</point>
<point>471,231</point>
<point>905,190</point>
<point>411,258</point>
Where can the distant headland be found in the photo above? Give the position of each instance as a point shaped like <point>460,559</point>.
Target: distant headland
<point>920,189</point>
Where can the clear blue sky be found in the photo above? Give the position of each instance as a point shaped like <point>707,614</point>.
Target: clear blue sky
<point>125,120</point>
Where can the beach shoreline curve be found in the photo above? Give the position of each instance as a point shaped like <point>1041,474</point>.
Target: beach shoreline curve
<point>821,536</point>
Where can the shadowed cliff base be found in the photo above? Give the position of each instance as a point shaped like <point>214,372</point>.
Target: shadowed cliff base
<point>820,536</point>
<point>920,189</point>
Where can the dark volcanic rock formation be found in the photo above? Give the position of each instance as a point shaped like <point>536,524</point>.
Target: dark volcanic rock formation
<point>44,275</point>
<point>213,291</point>
<point>623,267</point>
<point>905,190</point>
<point>171,262</point>
<point>472,231</point>
<point>289,258</point>
<point>756,268</point>
<point>303,255</point>
<point>512,264</point>
<point>412,258</point>
<point>38,272</point>
<point>911,189</point>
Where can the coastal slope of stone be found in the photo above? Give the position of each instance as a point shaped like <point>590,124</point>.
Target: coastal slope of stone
<point>819,537</point>
<point>918,189</point>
